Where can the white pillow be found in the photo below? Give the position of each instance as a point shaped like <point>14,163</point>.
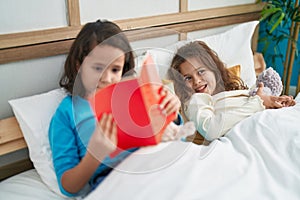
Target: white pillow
<point>232,46</point>
<point>34,114</point>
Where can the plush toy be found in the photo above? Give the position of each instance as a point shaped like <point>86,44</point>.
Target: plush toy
<point>271,80</point>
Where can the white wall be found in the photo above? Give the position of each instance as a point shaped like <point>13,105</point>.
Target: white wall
<point>206,4</point>
<point>92,10</point>
<point>28,15</point>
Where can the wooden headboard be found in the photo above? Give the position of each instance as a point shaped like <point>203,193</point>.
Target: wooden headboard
<point>43,43</point>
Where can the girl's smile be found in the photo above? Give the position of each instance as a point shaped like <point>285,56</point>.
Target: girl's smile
<point>201,89</point>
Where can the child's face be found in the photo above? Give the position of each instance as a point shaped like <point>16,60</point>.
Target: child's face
<point>103,66</point>
<point>197,76</point>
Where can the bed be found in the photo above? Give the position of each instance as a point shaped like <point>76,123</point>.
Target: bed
<point>257,159</point>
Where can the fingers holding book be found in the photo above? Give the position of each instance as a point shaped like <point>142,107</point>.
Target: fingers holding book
<point>109,127</point>
<point>170,102</point>
<point>104,139</point>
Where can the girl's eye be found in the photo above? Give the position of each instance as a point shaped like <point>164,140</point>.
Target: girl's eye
<point>116,70</point>
<point>201,71</point>
<point>98,68</point>
<point>187,78</point>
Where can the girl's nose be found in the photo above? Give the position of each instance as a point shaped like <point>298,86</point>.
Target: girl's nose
<point>105,77</point>
<point>197,79</point>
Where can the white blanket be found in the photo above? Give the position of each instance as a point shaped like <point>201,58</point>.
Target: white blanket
<point>258,159</point>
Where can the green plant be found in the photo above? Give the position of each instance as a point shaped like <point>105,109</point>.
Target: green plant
<point>281,24</point>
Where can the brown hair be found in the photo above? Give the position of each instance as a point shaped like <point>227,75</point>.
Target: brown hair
<point>90,36</point>
<point>225,80</point>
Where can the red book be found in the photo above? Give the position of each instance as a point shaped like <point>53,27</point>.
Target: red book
<point>134,105</point>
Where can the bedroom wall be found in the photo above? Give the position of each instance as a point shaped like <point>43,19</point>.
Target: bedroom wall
<point>24,78</point>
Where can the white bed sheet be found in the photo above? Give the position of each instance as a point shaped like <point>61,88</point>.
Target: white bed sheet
<point>26,186</point>
<point>258,159</point>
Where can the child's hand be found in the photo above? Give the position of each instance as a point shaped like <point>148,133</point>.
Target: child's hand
<point>274,101</point>
<point>170,102</point>
<point>288,101</point>
<point>104,139</point>
<point>177,132</point>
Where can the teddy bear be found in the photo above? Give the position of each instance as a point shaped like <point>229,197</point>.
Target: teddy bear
<point>271,80</point>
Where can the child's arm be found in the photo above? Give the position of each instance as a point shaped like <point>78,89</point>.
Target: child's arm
<point>201,110</point>
<point>270,101</point>
<point>102,143</point>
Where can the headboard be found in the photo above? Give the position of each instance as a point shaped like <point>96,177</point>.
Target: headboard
<point>38,44</point>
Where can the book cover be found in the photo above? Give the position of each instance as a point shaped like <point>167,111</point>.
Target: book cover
<point>134,104</point>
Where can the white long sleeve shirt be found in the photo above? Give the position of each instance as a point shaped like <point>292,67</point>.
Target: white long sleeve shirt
<point>215,115</point>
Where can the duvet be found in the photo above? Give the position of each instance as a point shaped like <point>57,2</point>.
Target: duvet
<point>258,159</point>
